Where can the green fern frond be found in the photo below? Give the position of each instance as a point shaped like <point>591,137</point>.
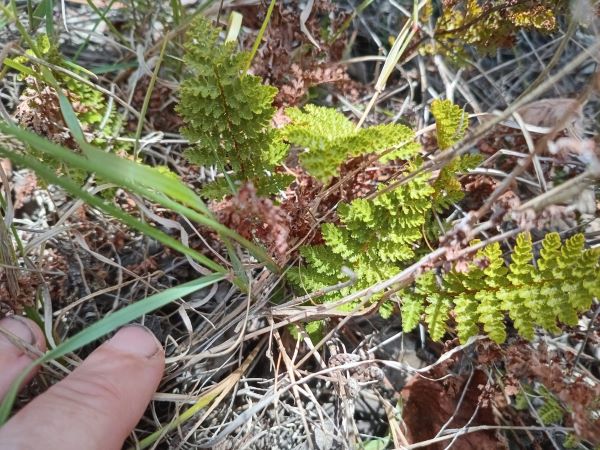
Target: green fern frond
<point>374,238</point>
<point>562,286</point>
<point>551,411</point>
<point>519,302</point>
<point>447,188</point>
<point>227,113</point>
<point>437,312</point>
<point>451,124</point>
<point>571,441</point>
<point>438,307</point>
<point>329,138</point>
<point>467,316</point>
<point>386,309</point>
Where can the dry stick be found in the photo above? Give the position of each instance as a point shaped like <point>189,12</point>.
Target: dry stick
<point>524,163</point>
<point>536,415</point>
<point>573,25</point>
<point>468,430</point>
<point>217,393</point>
<point>269,397</point>
<point>564,191</point>
<point>285,308</point>
<point>463,146</point>
<point>398,437</point>
<point>585,339</point>
<point>459,404</point>
<point>532,151</point>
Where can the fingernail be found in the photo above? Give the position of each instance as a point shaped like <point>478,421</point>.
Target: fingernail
<point>137,340</point>
<point>17,326</point>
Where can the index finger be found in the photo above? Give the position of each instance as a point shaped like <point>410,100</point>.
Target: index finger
<point>99,403</point>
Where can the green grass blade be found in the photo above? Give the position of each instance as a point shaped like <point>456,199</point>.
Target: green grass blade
<point>260,35</point>
<point>147,97</point>
<point>69,115</point>
<point>108,68</point>
<point>106,325</point>
<point>73,188</point>
<point>111,167</point>
<point>20,67</point>
<point>176,7</point>
<point>140,179</point>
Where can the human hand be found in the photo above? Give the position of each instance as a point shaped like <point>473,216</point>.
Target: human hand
<point>94,407</point>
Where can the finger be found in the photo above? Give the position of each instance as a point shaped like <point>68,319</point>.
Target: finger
<point>13,358</point>
<point>98,404</point>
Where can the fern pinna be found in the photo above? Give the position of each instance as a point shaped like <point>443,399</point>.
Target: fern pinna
<point>377,237</point>
<point>227,115</point>
<point>560,285</point>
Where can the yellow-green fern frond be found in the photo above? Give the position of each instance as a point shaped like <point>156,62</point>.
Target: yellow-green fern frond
<point>328,139</point>
<point>563,284</point>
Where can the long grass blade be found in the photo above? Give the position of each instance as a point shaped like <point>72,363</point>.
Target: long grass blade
<point>142,180</point>
<point>73,188</point>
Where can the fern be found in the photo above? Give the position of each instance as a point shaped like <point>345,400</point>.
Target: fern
<point>489,25</point>
<point>551,411</point>
<point>412,309</point>
<point>450,122</point>
<point>386,310</point>
<point>228,114</point>
<point>563,284</point>
<point>379,237</point>
<point>40,110</point>
<point>329,139</point>
<point>375,238</point>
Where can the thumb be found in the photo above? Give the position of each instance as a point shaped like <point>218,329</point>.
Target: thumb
<point>99,403</point>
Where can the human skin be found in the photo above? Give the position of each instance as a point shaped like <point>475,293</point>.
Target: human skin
<point>96,406</point>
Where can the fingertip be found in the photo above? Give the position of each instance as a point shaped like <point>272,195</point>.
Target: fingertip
<point>14,357</point>
<point>137,340</point>
<point>24,329</point>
